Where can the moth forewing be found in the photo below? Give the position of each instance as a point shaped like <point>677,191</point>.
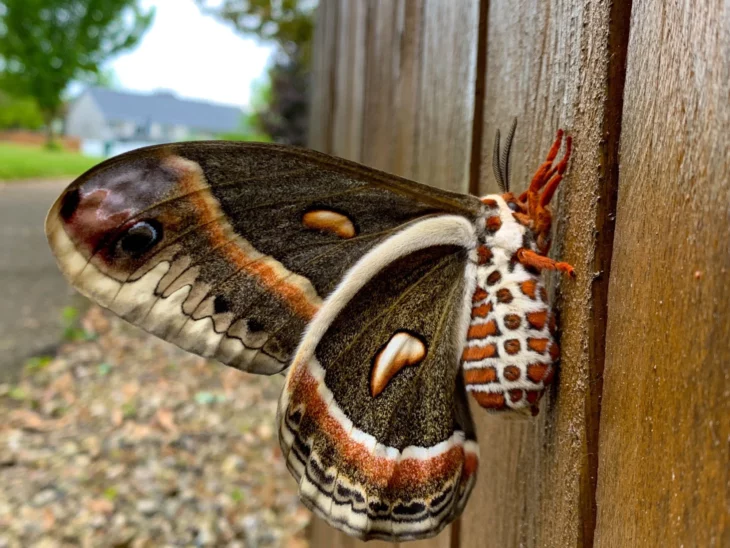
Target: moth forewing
<point>229,249</point>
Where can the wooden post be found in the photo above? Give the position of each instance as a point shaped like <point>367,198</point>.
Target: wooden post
<point>664,460</point>
<point>556,64</point>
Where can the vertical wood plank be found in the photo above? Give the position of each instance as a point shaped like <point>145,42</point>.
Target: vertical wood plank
<point>554,64</point>
<point>322,89</point>
<point>348,106</point>
<point>420,99</point>
<point>446,103</point>
<point>664,441</point>
<point>392,85</point>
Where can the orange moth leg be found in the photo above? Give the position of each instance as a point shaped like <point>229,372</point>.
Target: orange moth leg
<point>537,204</point>
<point>530,258</point>
<point>553,183</point>
<point>542,174</point>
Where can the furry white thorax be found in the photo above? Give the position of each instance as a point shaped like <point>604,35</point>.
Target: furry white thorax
<point>509,238</point>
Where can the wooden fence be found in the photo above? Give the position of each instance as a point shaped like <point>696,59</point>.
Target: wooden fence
<point>632,447</point>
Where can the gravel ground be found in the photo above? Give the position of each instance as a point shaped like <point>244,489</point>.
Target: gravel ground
<point>124,440</point>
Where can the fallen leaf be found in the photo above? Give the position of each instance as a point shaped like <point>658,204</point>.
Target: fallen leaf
<point>297,543</point>
<point>130,389</point>
<point>117,417</point>
<point>63,386</point>
<point>49,519</point>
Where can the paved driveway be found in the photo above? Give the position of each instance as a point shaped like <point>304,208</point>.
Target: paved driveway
<point>32,290</point>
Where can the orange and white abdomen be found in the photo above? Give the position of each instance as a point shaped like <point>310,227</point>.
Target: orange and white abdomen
<point>510,354</point>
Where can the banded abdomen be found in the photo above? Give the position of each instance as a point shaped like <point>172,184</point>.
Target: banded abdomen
<point>510,355</point>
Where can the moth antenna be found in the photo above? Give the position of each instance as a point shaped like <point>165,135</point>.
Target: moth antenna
<point>498,175</point>
<point>505,158</point>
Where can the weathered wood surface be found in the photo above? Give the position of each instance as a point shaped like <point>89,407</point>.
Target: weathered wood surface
<point>324,55</point>
<point>554,64</point>
<point>403,102</point>
<point>664,459</point>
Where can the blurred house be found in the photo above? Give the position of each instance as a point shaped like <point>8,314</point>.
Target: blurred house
<point>110,122</point>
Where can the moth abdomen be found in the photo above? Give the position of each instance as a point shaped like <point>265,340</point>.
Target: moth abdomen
<point>509,356</point>
<point>510,353</point>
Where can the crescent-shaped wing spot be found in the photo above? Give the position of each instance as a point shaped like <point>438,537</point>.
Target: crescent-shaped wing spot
<point>402,350</point>
<point>329,221</point>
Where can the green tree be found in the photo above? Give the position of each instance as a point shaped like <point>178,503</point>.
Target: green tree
<point>286,117</point>
<point>19,112</point>
<point>289,24</point>
<point>46,44</point>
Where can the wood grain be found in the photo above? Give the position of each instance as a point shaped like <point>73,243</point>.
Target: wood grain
<point>393,84</point>
<point>554,64</point>
<point>349,93</point>
<point>664,459</point>
<point>322,89</point>
<point>446,96</point>
<point>403,102</point>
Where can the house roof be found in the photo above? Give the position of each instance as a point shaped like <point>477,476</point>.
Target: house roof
<point>164,108</point>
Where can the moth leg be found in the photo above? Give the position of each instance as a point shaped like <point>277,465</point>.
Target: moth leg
<point>556,175</point>
<point>530,258</point>
<point>542,176</point>
<point>549,177</point>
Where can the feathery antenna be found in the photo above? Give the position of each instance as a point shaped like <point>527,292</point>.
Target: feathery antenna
<point>501,159</point>
<point>495,163</point>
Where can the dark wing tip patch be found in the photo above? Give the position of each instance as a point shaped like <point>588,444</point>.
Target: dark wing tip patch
<point>69,203</point>
<point>221,304</point>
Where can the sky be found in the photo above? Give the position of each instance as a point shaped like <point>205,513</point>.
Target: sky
<point>192,55</point>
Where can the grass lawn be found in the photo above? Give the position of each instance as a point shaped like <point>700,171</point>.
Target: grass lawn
<point>27,162</point>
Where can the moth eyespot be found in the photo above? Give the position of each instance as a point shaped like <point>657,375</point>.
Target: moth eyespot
<point>140,238</point>
<point>513,206</point>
